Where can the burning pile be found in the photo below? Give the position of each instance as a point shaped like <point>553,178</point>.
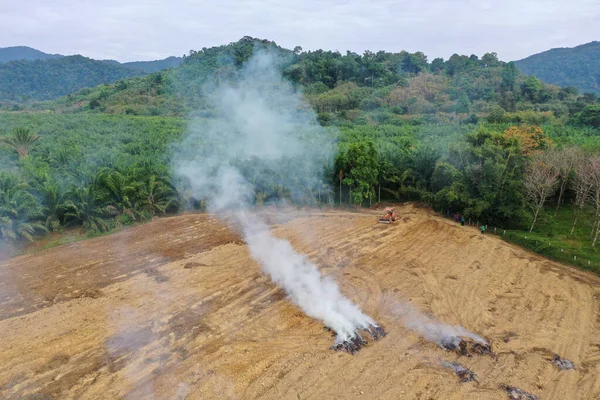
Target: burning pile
<point>562,363</point>
<point>466,346</point>
<point>518,394</point>
<point>355,343</point>
<point>376,332</point>
<point>463,373</point>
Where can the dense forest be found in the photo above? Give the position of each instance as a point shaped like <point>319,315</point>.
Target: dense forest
<point>154,66</point>
<point>48,79</point>
<point>30,75</point>
<point>468,135</point>
<point>578,66</point>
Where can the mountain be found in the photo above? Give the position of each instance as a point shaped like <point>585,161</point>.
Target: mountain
<point>30,74</point>
<point>154,66</point>
<point>55,77</point>
<point>578,66</point>
<point>381,87</point>
<point>24,53</point>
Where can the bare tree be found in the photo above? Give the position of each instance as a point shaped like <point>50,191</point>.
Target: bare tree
<point>595,195</point>
<point>541,181</point>
<point>582,186</point>
<point>564,161</point>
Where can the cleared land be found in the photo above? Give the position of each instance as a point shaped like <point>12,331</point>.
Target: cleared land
<point>176,309</point>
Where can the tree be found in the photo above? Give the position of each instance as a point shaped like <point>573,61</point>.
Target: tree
<point>582,185</point>
<point>18,210</point>
<point>359,163</point>
<point>414,63</point>
<point>540,182</point>
<point>463,105</point>
<point>437,65</point>
<point>509,77</point>
<point>531,138</point>
<point>491,186</point>
<point>21,140</point>
<point>589,116</point>
<point>490,60</point>
<point>594,197</point>
<point>155,196</point>
<point>531,87</point>
<point>119,190</point>
<point>53,201</point>
<point>86,206</point>
<point>496,116</point>
<point>564,161</point>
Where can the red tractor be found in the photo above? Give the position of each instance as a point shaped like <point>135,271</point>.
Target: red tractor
<point>389,216</point>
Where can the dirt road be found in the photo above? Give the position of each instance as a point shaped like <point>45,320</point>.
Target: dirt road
<point>176,309</point>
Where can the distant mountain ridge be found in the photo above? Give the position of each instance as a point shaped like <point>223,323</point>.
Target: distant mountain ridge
<point>29,74</point>
<point>24,53</point>
<point>568,66</point>
<point>24,80</point>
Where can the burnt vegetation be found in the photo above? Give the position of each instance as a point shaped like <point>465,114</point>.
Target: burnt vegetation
<point>357,342</point>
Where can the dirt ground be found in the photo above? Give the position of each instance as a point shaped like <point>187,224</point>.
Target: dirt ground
<point>176,309</point>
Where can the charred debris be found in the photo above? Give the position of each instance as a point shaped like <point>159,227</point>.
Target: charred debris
<point>464,374</point>
<point>517,394</point>
<point>357,342</point>
<point>467,347</point>
<point>562,363</point>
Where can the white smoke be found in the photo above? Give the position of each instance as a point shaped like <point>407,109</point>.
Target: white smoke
<point>266,139</point>
<point>430,328</point>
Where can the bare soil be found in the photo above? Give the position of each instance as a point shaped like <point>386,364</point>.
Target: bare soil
<point>176,309</point>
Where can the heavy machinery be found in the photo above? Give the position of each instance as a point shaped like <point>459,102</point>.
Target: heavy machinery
<point>389,216</point>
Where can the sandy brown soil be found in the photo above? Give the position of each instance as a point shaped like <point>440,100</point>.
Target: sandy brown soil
<point>175,309</point>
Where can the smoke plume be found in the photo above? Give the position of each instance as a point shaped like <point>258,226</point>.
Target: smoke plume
<point>431,329</point>
<point>265,145</point>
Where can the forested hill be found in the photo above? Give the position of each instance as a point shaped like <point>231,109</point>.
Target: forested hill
<point>578,66</point>
<point>24,53</point>
<point>149,67</point>
<point>28,75</point>
<point>48,79</point>
<point>380,88</point>
<point>154,66</point>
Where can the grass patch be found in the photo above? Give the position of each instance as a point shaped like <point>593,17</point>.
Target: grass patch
<point>550,238</point>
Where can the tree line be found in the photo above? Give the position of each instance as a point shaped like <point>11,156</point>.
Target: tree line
<point>103,172</point>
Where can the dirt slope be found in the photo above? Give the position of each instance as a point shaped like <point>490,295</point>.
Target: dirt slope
<point>175,309</point>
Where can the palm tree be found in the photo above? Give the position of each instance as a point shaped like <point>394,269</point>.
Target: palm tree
<point>156,195</point>
<point>119,189</point>
<point>85,205</point>
<point>53,200</point>
<point>21,140</point>
<point>18,210</point>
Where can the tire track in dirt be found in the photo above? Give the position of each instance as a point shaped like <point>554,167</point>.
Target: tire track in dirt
<point>181,311</point>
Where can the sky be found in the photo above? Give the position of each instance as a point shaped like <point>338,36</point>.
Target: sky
<point>131,30</point>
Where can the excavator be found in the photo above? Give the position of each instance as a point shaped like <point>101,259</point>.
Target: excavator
<point>389,216</point>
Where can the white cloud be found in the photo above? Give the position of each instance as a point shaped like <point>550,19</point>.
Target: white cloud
<point>148,29</point>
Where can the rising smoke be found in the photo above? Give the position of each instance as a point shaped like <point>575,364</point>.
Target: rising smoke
<point>429,327</point>
<point>265,136</point>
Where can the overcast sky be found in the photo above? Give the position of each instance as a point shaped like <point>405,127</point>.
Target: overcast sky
<point>128,30</point>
